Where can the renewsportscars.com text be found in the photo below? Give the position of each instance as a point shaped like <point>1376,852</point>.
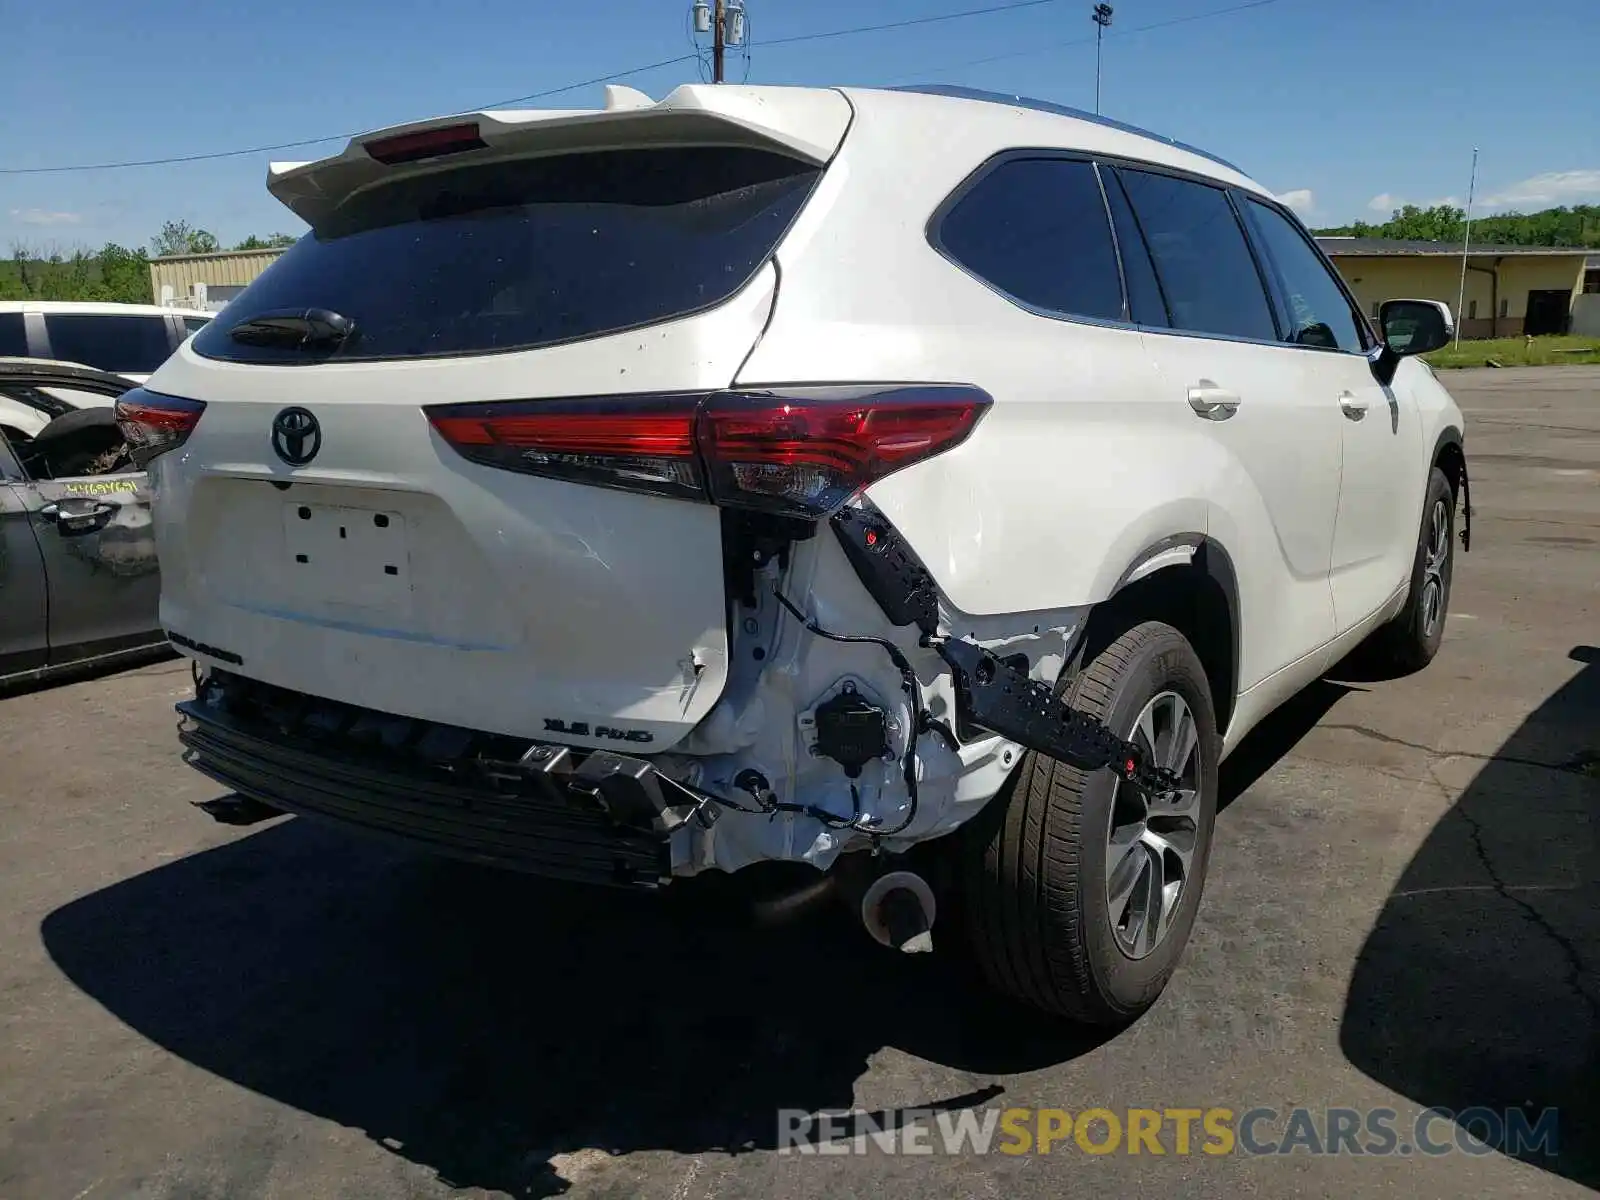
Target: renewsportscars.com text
<point>1377,1132</point>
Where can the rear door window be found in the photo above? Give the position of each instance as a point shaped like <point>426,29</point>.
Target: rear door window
<point>1207,272</point>
<point>128,345</point>
<point>1036,229</point>
<point>534,252</point>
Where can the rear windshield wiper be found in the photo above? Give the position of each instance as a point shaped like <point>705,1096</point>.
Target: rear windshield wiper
<point>294,328</point>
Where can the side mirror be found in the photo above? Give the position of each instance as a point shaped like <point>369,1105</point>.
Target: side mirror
<point>1410,327</point>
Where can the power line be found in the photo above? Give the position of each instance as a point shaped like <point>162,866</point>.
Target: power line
<point>178,159</point>
<point>1085,41</point>
<point>906,24</point>
<point>212,156</point>
<point>335,137</point>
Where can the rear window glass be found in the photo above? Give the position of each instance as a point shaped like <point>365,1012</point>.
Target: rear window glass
<point>508,256</point>
<point>128,345</point>
<point>1036,229</point>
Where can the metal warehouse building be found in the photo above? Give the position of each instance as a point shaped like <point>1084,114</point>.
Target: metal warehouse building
<point>1511,290</point>
<point>206,281</point>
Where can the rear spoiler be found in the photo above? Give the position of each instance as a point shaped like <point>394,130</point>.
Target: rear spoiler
<point>805,123</point>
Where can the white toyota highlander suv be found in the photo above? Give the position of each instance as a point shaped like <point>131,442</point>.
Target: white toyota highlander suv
<point>930,487</point>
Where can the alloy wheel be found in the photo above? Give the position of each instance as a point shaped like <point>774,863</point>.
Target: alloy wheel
<point>1151,842</point>
<point>1436,554</point>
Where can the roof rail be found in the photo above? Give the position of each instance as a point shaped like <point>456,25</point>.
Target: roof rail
<point>1060,110</point>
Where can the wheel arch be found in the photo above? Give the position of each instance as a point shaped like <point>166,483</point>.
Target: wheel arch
<point>1450,456</point>
<point>1188,581</point>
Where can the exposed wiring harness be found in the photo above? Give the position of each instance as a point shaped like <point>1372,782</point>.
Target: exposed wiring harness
<point>756,785</point>
<point>922,721</point>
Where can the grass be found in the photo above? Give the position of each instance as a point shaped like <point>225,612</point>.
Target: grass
<point>1518,352</point>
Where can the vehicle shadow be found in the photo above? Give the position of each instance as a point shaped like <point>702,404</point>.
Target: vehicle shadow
<point>1479,984</point>
<point>480,1023</point>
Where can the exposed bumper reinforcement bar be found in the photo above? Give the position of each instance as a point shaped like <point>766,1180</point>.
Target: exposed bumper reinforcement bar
<point>1029,713</point>
<point>991,693</point>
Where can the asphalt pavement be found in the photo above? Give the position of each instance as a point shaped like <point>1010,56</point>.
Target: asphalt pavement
<point>1403,914</point>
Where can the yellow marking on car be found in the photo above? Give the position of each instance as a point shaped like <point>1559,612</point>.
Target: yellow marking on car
<point>102,487</point>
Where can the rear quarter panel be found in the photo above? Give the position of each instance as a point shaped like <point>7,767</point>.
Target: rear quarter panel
<point>1085,462</point>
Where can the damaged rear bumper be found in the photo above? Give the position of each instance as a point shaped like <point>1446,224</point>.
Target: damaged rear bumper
<point>532,807</point>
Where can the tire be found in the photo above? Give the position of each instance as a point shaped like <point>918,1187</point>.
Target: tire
<point>75,422</point>
<point>1409,642</point>
<point>74,442</point>
<point>1035,862</point>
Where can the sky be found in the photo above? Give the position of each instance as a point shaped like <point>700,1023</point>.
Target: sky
<point>1345,109</point>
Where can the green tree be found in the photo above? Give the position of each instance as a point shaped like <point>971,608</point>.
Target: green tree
<point>1575,226</point>
<point>1441,223</point>
<point>111,273</point>
<point>273,241</point>
<point>179,237</point>
<point>125,274</point>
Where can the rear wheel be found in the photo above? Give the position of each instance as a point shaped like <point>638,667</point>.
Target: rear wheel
<point>1409,642</point>
<point>1080,889</point>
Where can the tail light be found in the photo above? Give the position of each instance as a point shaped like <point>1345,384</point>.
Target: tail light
<point>643,444</point>
<point>805,451</point>
<point>152,424</point>
<point>799,451</point>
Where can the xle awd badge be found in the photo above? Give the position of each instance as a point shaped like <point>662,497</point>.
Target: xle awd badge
<point>296,436</point>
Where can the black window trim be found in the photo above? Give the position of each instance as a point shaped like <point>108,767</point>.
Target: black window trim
<point>934,225</point>
<point>1104,169</point>
<point>1116,245</point>
<point>1242,201</point>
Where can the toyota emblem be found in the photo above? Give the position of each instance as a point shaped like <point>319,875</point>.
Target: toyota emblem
<point>296,436</point>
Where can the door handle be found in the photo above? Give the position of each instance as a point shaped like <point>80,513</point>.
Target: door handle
<point>1212,402</point>
<point>74,522</point>
<point>1352,406</point>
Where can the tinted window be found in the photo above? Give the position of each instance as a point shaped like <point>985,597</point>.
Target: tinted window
<point>1318,313</point>
<point>195,324</point>
<point>1200,253</point>
<point>1144,292</point>
<point>505,256</point>
<point>1036,229</point>
<point>13,336</point>
<point>130,345</point>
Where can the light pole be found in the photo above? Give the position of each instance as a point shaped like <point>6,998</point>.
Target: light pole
<point>1466,241</point>
<point>1102,18</point>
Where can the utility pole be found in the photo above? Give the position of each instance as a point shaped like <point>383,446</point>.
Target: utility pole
<point>1102,18</point>
<point>718,41</point>
<point>1466,241</point>
<point>724,20</point>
